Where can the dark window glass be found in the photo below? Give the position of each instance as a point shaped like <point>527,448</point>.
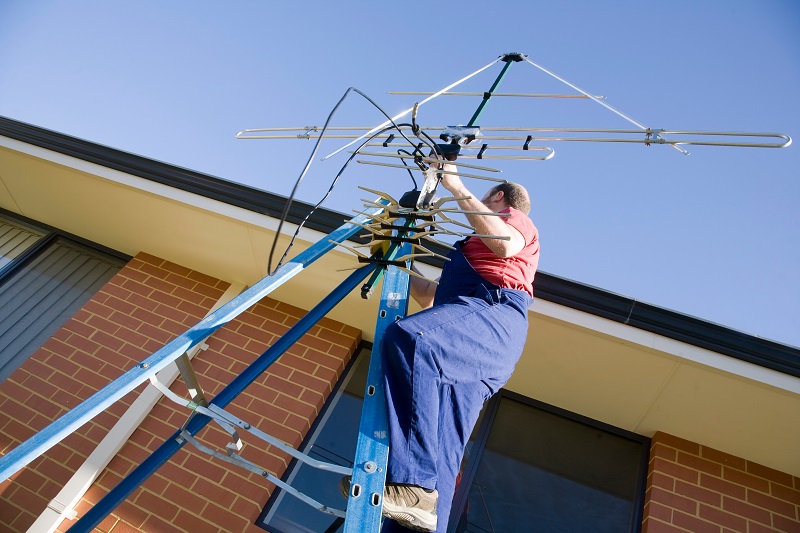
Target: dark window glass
<point>542,471</point>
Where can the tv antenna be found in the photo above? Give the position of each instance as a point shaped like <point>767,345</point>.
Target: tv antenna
<point>404,229</point>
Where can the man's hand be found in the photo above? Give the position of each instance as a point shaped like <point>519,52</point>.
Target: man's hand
<point>485,224</point>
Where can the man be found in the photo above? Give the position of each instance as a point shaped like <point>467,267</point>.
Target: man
<point>443,363</point>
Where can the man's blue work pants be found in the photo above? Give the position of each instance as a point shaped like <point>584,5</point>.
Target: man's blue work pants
<point>441,364</point>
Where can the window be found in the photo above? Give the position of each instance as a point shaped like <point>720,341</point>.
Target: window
<point>45,277</point>
<point>332,439</point>
<point>528,467</point>
<point>541,469</point>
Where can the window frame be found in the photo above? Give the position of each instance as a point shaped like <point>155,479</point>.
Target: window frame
<point>51,235</point>
<point>484,429</point>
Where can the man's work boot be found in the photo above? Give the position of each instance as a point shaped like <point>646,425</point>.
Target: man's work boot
<point>410,506</point>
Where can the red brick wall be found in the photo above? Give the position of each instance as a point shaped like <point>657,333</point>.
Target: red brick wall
<point>695,488</point>
<point>147,304</point>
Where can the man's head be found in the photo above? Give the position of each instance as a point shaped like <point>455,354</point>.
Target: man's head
<point>513,195</point>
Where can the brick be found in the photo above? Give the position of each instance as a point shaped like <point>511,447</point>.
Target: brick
<point>180,281</point>
<point>84,345</point>
<point>262,343</point>
<point>192,309</point>
<point>746,510</point>
<point>177,269</point>
<point>188,499</point>
<point>101,323</point>
<point>154,503</point>
<point>785,493</point>
<point>190,296</point>
<point>148,316</point>
<point>206,279</point>
<point>675,470</point>
<point>165,302</point>
<point>755,527</point>
<point>656,510</point>
<point>155,333</point>
<point>134,274</point>
<point>153,284</point>
<point>722,518</point>
<point>291,310</point>
<point>141,302</point>
<point>299,423</point>
<point>748,480</point>
<point>698,493</point>
<point>116,291</point>
<point>82,329</point>
<point>675,501</point>
<point>697,463</point>
<point>336,338</point>
<point>323,359</point>
<point>27,499</point>
<point>133,337</point>
<point>96,308</point>
<point>175,328</point>
<point>38,385</point>
<point>281,385</point>
<point>676,442</point>
<point>215,492</point>
<point>91,379</point>
<point>194,523</point>
<point>788,525</point>
<point>124,527</point>
<point>248,509</point>
<point>153,270</point>
<point>298,363</point>
<point>775,505</point>
<point>107,339</point>
<point>723,458</point>
<point>44,407</point>
<point>197,463</point>
<point>316,397</point>
<point>143,258</point>
<point>223,517</point>
<point>694,524</point>
<point>135,287</point>
<point>769,473</point>
<point>654,526</point>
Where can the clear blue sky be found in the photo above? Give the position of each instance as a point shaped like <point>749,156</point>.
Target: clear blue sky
<point>712,235</point>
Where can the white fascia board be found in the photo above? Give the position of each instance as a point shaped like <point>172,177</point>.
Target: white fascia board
<point>159,189</point>
<point>681,350</point>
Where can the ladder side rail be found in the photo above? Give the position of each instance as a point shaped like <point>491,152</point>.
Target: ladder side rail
<point>60,428</point>
<point>372,448</point>
<point>117,495</point>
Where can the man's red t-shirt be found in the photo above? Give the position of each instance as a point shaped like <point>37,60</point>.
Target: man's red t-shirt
<point>516,272</point>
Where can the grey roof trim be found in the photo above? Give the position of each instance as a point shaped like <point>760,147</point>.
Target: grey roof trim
<point>704,334</point>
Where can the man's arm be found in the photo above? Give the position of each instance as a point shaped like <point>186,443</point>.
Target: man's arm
<point>422,290</point>
<point>484,224</point>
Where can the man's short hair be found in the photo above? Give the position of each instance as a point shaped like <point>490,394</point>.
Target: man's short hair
<point>515,196</point>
